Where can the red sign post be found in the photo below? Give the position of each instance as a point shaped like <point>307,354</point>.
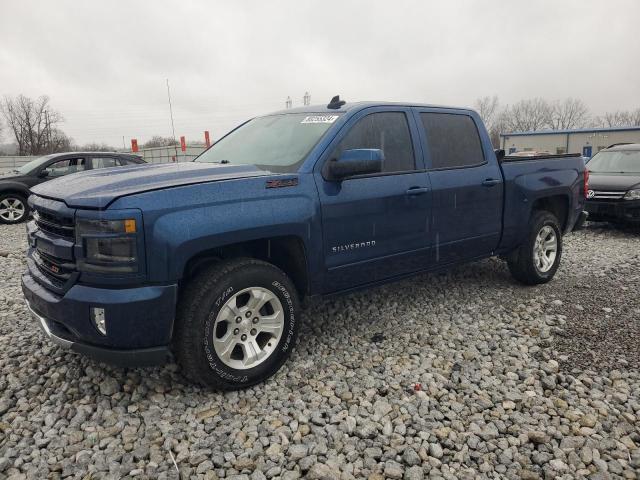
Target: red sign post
<point>207,140</point>
<point>183,144</point>
<point>134,145</point>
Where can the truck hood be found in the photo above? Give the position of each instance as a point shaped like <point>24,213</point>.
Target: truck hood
<point>98,188</point>
<point>612,181</point>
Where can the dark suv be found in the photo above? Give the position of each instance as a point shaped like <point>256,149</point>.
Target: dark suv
<point>15,185</point>
<point>614,185</point>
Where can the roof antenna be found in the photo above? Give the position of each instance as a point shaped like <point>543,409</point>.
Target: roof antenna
<point>336,103</point>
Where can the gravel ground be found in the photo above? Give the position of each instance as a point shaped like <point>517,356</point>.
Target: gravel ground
<point>459,375</point>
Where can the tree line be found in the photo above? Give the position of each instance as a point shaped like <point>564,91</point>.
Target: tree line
<point>35,125</point>
<point>535,114</point>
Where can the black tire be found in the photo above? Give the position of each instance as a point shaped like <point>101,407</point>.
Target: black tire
<point>13,199</point>
<point>198,307</point>
<point>522,264</point>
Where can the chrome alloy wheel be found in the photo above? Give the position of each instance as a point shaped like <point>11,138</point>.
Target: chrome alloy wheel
<point>248,328</point>
<point>12,209</point>
<point>545,249</point>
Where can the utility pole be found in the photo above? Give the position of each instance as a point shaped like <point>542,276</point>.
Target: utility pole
<point>287,104</point>
<point>306,100</point>
<point>124,145</point>
<point>173,129</point>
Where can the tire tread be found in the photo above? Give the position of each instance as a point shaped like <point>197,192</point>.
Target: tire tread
<point>520,262</point>
<point>194,294</point>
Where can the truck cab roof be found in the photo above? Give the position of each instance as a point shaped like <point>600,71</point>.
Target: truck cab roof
<point>357,106</point>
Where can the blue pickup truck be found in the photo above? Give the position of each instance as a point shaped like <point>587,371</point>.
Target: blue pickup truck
<point>208,261</point>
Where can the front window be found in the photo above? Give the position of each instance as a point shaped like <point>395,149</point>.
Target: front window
<point>65,167</point>
<point>620,161</point>
<point>276,143</point>
<point>386,131</point>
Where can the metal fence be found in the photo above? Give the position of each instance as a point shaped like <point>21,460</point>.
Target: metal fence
<point>151,155</point>
<point>170,154</point>
<point>8,163</point>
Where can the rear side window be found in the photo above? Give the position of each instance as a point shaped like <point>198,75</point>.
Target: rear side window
<point>104,162</point>
<point>453,140</point>
<point>387,131</point>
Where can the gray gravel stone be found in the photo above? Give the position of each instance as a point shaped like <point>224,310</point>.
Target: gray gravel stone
<point>514,382</point>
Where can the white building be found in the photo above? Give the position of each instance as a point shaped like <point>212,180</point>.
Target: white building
<point>587,142</point>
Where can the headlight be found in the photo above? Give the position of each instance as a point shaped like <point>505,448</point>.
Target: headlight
<point>632,195</point>
<point>109,246</point>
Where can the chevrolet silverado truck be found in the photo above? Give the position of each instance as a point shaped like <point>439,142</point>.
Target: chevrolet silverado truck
<point>207,261</point>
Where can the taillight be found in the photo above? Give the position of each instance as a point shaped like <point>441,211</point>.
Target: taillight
<point>586,183</point>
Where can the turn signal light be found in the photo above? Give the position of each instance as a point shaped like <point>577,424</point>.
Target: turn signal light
<point>130,226</point>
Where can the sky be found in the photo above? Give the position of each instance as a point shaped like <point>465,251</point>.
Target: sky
<point>105,65</point>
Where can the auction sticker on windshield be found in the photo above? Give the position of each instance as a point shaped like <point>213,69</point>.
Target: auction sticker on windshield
<point>320,119</point>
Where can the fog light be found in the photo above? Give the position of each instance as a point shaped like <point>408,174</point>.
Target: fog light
<point>99,320</point>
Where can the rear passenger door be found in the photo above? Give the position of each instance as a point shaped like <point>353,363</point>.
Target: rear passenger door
<point>467,187</point>
<point>375,226</point>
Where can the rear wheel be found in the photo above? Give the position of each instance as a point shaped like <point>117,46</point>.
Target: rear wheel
<point>13,208</point>
<point>538,258</point>
<point>237,323</point>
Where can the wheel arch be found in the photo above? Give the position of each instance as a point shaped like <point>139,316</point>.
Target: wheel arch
<point>558,205</point>
<point>286,252</point>
<point>15,189</point>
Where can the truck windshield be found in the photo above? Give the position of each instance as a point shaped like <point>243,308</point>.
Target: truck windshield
<point>277,143</point>
<point>621,161</point>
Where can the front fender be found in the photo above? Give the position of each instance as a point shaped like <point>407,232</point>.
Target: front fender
<point>177,234</point>
<point>9,186</point>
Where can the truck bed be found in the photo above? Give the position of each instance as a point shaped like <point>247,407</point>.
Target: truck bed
<point>516,158</point>
<point>528,180</point>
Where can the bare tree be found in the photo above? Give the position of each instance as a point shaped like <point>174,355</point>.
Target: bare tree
<point>528,115</point>
<point>159,141</point>
<point>96,147</point>
<point>567,114</point>
<point>619,119</point>
<point>489,110</point>
<point>33,123</point>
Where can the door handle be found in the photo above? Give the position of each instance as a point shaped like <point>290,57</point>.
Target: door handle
<point>417,191</point>
<point>490,182</point>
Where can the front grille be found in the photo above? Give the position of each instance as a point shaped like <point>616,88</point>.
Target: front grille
<point>56,224</point>
<point>606,195</point>
<point>57,270</point>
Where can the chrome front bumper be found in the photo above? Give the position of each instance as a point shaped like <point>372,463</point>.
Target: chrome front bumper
<point>61,342</point>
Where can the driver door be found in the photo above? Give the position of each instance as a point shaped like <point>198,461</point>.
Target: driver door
<point>376,226</point>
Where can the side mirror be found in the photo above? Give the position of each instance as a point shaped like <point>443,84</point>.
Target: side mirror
<point>44,173</point>
<point>360,161</point>
<point>500,154</point>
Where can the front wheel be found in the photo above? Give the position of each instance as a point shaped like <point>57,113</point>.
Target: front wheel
<point>538,258</point>
<point>236,325</point>
<point>13,208</point>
